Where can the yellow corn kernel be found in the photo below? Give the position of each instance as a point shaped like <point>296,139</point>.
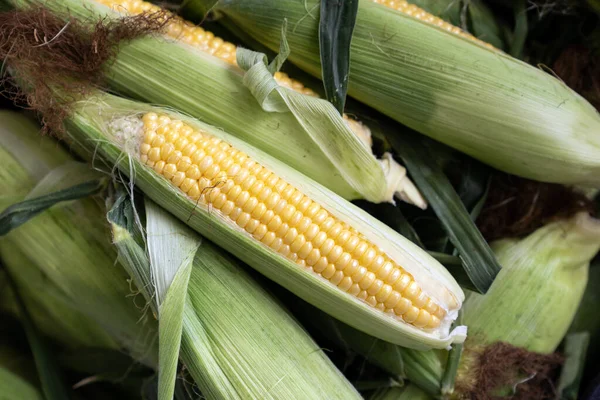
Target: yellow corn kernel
<point>276,221</point>
<point>410,9</point>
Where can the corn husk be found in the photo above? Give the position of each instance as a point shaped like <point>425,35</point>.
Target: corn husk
<point>409,392</point>
<point>309,135</point>
<point>536,294</point>
<point>236,340</point>
<point>424,369</point>
<point>478,100</point>
<point>102,124</point>
<point>530,304</point>
<point>15,376</point>
<point>51,311</point>
<point>280,362</point>
<point>67,277</point>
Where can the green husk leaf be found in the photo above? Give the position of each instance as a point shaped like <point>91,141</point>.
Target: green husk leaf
<point>409,392</point>
<point>170,328</point>
<point>319,119</point>
<point>272,357</point>
<point>18,214</point>
<point>483,24</point>
<point>49,373</point>
<point>172,247</point>
<point>587,318</point>
<point>576,345</point>
<point>423,368</point>
<point>520,33</point>
<point>49,306</point>
<point>478,259</point>
<point>452,364</point>
<point>70,279</point>
<point>337,19</point>
<point>14,386</point>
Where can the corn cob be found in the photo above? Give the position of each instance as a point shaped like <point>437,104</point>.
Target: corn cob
<point>439,81</point>
<point>278,221</point>
<point>282,217</point>
<point>544,275</point>
<point>278,360</point>
<point>170,71</point>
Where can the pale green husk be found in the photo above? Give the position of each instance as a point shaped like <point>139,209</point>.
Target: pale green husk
<point>236,340</point>
<point>51,310</point>
<point>61,259</point>
<point>409,392</point>
<point>480,101</point>
<point>536,294</point>
<point>162,71</point>
<point>422,368</point>
<point>15,376</point>
<point>90,128</point>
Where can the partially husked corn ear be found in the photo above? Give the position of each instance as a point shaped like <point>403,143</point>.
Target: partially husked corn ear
<point>281,217</point>
<point>160,70</point>
<point>202,39</point>
<point>278,221</point>
<point>444,83</point>
<point>536,294</point>
<point>206,41</point>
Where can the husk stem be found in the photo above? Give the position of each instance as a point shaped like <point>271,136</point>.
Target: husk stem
<point>163,71</point>
<point>62,259</point>
<point>89,128</point>
<point>478,100</point>
<point>230,351</point>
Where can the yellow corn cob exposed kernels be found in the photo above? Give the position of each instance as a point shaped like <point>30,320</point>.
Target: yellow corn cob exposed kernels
<point>214,173</point>
<point>410,9</point>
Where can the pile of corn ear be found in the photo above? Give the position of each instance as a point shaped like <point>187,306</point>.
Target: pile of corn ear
<point>201,224</point>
